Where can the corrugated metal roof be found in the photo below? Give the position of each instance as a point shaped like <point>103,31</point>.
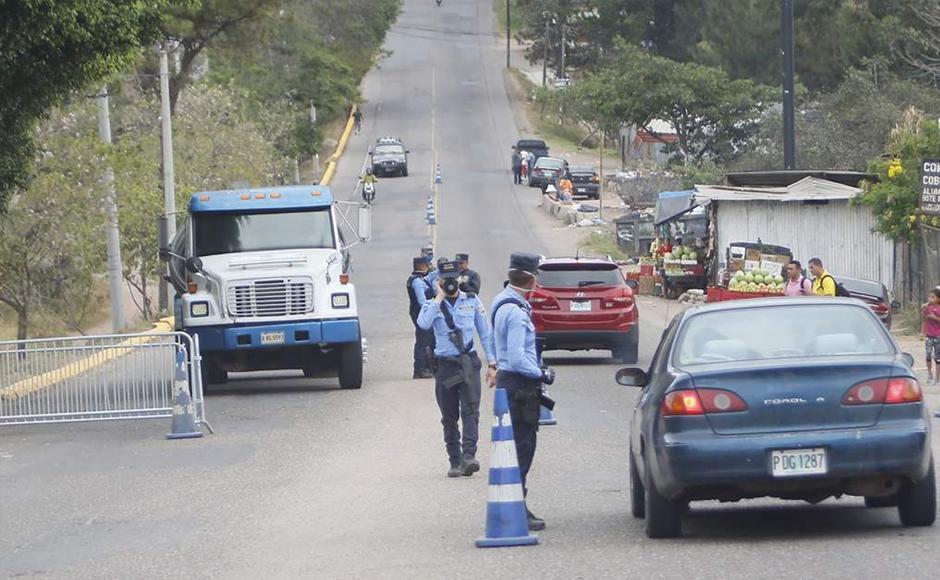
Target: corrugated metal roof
<point>806,189</point>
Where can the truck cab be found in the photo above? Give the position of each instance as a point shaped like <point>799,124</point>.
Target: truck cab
<point>261,279</point>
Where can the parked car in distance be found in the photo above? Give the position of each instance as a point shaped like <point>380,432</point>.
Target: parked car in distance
<point>561,83</point>
<point>799,400</point>
<point>547,171</point>
<point>585,303</point>
<point>874,294</point>
<point>585,180</point>
<point>536,147</point>
<point>389,157</point>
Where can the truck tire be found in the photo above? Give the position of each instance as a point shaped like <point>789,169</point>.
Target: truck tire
<point>350,365</point>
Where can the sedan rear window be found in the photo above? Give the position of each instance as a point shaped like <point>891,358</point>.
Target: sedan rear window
<point>579,278</point>
<point>780,332</point>
<point>550,163</point>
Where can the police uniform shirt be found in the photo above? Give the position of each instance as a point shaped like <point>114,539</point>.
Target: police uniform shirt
<point>468,313</point>
<point>514,336</point>
<point>420,286</point>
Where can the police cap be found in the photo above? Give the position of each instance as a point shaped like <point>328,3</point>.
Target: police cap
<point>524,262</point>
<point>419,261</point>
<point>448,270</point>
<point>427,251</point>
<point>441,261</point>
<point>462,258</point>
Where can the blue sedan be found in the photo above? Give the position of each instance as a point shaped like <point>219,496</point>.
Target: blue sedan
<point>792,398</point>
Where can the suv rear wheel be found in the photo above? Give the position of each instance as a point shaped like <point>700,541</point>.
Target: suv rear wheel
<point>627,349</point>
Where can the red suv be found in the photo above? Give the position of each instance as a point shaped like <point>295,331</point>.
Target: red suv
<point>581,304</point>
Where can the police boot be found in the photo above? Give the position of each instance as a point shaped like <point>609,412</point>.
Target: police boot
<point>536,524</point>
<point>469,467</point>
<point>455,471</point>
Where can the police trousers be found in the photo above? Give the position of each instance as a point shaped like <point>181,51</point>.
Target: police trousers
<point>523,395</point>
<point>458,401</point>
<point>424,350</point>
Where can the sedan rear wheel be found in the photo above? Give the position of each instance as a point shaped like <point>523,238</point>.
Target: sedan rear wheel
<point>663,516</point>
<point>637,493</point>
<point>917,502</point>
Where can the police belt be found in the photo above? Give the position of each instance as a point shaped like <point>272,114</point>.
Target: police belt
<point>456,359</point>
<point>464,367</point>
<point>517,380</point>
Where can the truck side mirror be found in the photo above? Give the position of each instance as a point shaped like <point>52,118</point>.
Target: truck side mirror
<point>365,222</point>
<point>163,238</point>
<point>194,265</point>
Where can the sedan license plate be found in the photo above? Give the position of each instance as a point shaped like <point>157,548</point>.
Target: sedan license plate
<point>583,306</point>
<point>272,337</point>
<point>581,189</point>
<point>794,462</point>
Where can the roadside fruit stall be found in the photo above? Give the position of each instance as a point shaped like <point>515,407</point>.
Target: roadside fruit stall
<point>682,270</point>
<point>754,270</point>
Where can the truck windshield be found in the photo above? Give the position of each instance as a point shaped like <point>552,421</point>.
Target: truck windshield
<point>229,233</point>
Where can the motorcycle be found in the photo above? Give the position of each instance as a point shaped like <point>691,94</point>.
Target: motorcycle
<point>368,192</point>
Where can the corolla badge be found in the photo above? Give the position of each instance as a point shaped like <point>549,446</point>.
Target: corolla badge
<point>789,401</point>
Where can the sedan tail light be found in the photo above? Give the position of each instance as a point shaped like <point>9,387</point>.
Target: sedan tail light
<point>884,391</point>
<point>543,301</point>
<point>702,401</point>
<point>880,308</point>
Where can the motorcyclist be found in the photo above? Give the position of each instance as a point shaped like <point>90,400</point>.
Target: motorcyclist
<point>368,178</point>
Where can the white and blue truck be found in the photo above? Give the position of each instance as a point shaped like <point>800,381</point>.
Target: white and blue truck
<point>262,278</point>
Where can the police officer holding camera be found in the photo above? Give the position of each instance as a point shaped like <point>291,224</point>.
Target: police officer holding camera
<point>421,287</point>
<point>453,316</point>
<point>520,371</point>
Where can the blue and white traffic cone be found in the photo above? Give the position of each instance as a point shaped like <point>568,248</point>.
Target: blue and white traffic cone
<point>432,219</point>
<point>183,424</point>
<point>546,416</point>
<point>437,174</point>
<point>506,521</point>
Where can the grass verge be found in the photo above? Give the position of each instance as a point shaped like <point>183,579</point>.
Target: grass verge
<point>559,136</point>
<point>515,14</point>
<point>602,242</point>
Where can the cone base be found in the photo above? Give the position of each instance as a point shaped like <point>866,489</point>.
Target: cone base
<point>192,435</point>
<point>529,540</point>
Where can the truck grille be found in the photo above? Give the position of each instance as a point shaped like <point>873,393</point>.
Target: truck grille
<point>275,297</point>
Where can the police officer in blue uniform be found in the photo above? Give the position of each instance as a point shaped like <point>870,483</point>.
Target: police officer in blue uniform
<point>469,279</point>
<point>453,316</point>
<point>428,252</point>
<point>421,288</point>
<point>520,371</point>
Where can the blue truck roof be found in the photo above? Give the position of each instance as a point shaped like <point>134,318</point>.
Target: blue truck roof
<point>262,199</point>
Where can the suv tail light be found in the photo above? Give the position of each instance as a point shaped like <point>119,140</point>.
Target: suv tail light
<point>625,300</point>
<point>543,301</point>
<point>884,391</point>
<point>702,401</point>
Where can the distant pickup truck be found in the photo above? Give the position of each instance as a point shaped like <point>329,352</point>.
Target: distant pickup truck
<point>536,147</point>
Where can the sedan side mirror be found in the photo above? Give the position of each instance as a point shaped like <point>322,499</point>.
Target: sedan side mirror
<point>407,150</point>
<point>631,377</point>
<point>895,305</point>
<point>908,359</point>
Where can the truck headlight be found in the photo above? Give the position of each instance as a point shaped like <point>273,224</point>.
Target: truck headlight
<point>340,300</point>
<point>198,309</point>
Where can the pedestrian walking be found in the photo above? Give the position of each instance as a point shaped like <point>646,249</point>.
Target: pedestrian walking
<point>469,280</point>
<point>516,166</point>
<point>357,117</point>
<point>526,164</point>
<point>797,283</point>
<point>519,370</point>
<point>930,332</point>
<point>823,282</point>
<point>420,290</point>
<point>453,316</point>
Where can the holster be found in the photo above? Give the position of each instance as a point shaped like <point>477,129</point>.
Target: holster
<point>546,401</point>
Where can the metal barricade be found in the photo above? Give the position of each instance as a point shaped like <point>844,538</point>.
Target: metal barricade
<point>94,378</point>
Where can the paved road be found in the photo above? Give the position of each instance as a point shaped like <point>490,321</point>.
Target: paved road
<point>306,481</point>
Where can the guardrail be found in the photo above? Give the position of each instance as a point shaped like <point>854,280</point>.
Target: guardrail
<point>94,378</point>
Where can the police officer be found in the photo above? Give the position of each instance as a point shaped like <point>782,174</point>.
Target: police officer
<point>453,316</point>
<point>469,279</point>
<point>420,290</point>
<point>520,371</point>
<point>428,252</point>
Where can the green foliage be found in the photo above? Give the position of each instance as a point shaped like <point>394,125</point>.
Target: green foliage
<point>52,48</point>
<point>712,115</point>
<point>895,199</point>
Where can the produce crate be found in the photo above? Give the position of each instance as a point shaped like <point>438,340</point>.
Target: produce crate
<point>647,285</point>
<point>719,294</point>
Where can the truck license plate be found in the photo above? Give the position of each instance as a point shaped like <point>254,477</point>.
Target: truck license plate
<point>584,306</point>
<point>790,462</point>
<point>272,337</point>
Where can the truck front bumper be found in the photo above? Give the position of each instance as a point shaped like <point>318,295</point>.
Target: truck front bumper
<point>276,335</point>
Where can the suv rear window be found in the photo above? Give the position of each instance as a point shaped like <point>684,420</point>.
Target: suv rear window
<point>580,275</point>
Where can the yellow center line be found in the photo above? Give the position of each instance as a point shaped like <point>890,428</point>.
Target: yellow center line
<point>434,158</point>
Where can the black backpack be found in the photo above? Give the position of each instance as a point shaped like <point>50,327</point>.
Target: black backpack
<point>414,308</point>
<point>840,289</point>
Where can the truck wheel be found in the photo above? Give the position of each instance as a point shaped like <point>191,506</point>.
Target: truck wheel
<point>917,502</point>
<point>350,365</point>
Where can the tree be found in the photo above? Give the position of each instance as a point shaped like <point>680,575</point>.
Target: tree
<point>52,48</point>
<point>712,115</point>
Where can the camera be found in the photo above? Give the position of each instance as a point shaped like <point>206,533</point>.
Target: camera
<point>450,285</point>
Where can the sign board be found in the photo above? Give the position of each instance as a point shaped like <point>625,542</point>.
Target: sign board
<point>930,186</point>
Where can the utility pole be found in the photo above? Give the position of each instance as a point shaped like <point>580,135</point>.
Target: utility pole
<point>600,185</point>
<point>112,234</point>
<point>508,32</point>
<point>316,156</point>
<point>561,59</point>
<point>545,54</point>
<point>789,117</point>
<point>169,187</point>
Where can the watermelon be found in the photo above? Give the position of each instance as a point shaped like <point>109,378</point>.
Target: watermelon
<point>739,275</point>
<point>749,278</point>
<point>667,256</point>
<point>758,279</point>
<point>779,280</point>
<point>693,256</point>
